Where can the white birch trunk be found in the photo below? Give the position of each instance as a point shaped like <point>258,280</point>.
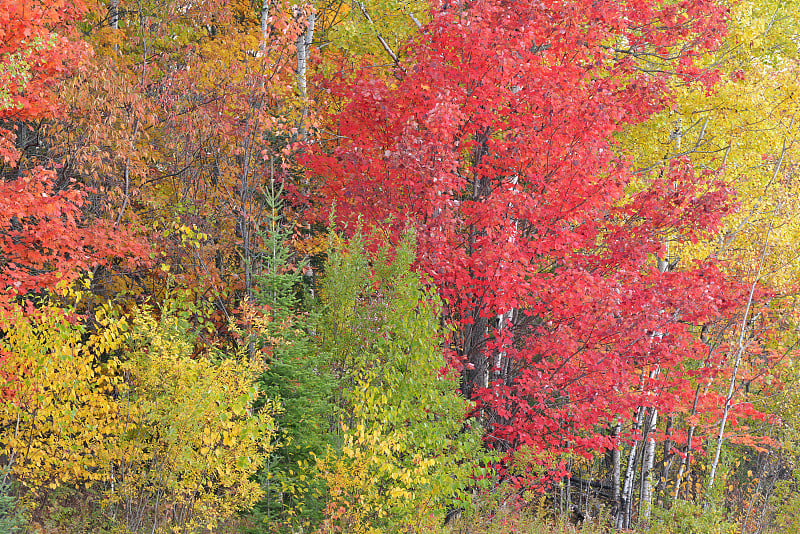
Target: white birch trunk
<point>264,25</point>
<point>668,457</point>
<point>648,455</point>
<point>624,515</point>
<point>309,37</point>
<point>303,50</point>
<point>646,494</point>
<point>499,360</point>
<point>113,14</point>
<point>616,468</point>
<point>739,352</point>
<point>300,47</point>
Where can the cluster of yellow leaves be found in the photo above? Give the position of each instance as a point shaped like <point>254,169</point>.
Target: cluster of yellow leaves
<point>358,25</point>
<point>192,440</point>
<point>380,473</point>
<point>745,129</point>
<point>59,424</point>
<point>172,436</point>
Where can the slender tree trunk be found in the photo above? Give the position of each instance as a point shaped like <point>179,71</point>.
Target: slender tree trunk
<point>378,34</point>
<point>746,520</point>
<point>300,49</point>
<point>740,350</point>
<point>615,468</point>
<point>303,50</point>
<point>265,5</point>
<point>686,461</point>
<point>624,515</point>
<point>761,477</point>
<point>504,321</point>
<point>765,506</point>
<point>568,484</point>
<point>738,360</point>
<point>113,14</point>
<point>646,493</point>
<point>244,219</point>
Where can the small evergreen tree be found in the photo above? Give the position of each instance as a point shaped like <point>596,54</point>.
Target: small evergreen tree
<point>298,377</point>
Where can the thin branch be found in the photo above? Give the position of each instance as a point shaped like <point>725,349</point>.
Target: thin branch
<point>738,360</point>
<point>380,36</point>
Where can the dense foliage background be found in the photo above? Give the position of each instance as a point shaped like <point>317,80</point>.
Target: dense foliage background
<point>387,266</point>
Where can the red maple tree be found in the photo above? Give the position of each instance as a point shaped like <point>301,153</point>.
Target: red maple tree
<point>44,236</point>
<point>494,142</point>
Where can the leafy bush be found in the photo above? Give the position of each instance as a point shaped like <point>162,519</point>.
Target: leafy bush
<point>191,441</point>
<point>685,516</point>
<point>405,453</point>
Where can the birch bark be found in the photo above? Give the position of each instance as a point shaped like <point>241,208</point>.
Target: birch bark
<point>615,460</point>
<point>646,493</point>
<point>624,515</point>
<point>303,50</point>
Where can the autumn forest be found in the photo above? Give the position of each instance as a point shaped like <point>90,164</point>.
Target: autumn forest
<point>399,266</point>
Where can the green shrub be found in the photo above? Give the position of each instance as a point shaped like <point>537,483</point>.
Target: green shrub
<point>687,517</point>
<point>11,516</point>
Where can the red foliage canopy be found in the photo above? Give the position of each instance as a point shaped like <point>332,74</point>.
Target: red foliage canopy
<point>43,235</point>
<point>494,142</point>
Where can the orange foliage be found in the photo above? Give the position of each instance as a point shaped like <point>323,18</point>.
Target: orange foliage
<point>182,119</point>
<point>44,236</point>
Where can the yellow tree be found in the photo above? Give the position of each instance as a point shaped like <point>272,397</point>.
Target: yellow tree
<point>744,130</point>
<point>159,436</point>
